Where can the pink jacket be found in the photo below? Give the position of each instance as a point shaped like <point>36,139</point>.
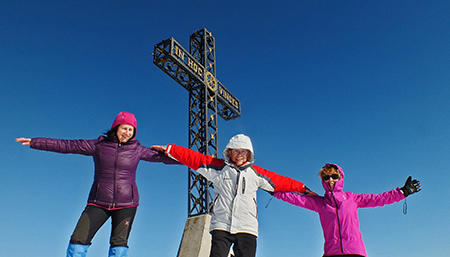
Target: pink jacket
<point>338,211</point>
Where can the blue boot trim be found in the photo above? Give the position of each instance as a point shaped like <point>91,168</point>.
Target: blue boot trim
<point>118,251</point>
<point>76,250</point>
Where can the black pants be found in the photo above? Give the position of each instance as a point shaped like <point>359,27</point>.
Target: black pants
<point>93,218</point>
<point>244,244</point>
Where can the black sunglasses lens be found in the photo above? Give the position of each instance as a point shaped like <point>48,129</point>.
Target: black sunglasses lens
<point>333,176</point>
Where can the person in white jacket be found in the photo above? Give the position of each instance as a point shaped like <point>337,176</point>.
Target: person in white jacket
<point>236,180</point>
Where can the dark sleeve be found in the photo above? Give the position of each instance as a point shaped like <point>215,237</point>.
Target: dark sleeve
<point>152,155</point>
<point>81,146</point>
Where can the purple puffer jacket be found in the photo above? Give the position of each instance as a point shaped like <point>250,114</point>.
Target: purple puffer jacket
<point>114,184</point>
<point>340,225</point>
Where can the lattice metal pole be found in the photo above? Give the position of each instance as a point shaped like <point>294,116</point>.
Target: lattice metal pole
<point>203,132</point>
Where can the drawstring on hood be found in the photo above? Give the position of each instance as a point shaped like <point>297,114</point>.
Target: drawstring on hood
<point>127,119</point>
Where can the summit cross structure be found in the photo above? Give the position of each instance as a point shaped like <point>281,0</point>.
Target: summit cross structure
<point>196,72</point>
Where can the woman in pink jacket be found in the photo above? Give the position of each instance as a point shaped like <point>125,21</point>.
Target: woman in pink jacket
<point>338,210</point>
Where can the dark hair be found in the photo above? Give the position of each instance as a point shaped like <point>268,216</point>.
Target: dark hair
<point>111,135</point>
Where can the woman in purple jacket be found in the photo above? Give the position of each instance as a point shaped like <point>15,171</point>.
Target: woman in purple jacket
<point>114,191</point>
<point>338,210</point>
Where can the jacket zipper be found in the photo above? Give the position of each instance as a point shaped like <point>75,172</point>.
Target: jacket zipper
<point>237,181</point>
<point>115,172</point>
<point>339,223</point>
<point>235,191</point>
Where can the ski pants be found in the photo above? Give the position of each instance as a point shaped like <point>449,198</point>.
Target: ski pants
<point>93,218</point>
<point>244,244</point>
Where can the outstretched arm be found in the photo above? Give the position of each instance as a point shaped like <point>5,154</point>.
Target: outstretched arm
<point>395,195</point>
<point>283,183</point>
<point>188,157</point>
<point>310,203</point>
<point>85,147</point>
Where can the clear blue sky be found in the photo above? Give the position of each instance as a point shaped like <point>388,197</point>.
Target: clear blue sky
<point>364,84</point>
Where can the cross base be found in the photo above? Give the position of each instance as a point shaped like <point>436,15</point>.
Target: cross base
<point>196,241</point>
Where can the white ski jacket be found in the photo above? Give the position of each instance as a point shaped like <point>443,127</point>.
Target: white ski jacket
<point>234,204</point>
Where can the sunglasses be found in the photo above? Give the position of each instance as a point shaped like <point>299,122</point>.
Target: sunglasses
<point>242,152</point>
<point>333,176</point>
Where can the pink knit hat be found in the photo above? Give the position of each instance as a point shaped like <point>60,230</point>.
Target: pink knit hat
<point>125,118</point>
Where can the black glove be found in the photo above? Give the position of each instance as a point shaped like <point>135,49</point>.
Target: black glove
<point>410,187</point>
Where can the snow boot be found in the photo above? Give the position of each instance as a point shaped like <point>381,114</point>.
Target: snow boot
<point>118,251</point>
<point>76,250</point>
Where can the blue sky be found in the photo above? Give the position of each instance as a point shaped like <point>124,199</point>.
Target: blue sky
<point>364,84</point>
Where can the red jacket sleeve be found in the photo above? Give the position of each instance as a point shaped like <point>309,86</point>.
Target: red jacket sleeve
<point>282,183</point>
<point>191,158</point>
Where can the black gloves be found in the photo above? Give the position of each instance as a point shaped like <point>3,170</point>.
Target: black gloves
<point>410,187</point>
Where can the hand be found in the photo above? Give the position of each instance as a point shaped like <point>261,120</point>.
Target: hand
<point>308,192</point>
<point>160,148</point>
<point>23,140</point>
<point>411,187</point>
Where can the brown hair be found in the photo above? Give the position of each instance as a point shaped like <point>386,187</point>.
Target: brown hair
<point>329,169</point>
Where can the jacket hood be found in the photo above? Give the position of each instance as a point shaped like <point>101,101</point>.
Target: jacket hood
<point>125,118</point>
<point>239,141</point>
<point>339,185</point>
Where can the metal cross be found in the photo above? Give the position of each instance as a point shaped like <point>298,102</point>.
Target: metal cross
<point>196,72</point>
